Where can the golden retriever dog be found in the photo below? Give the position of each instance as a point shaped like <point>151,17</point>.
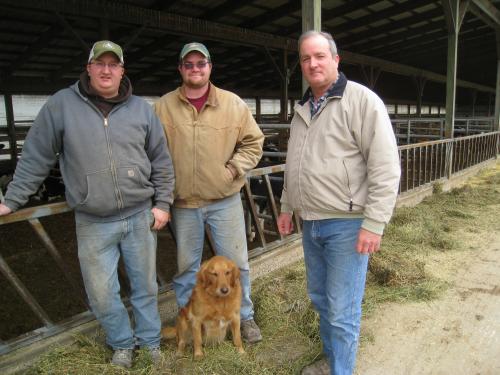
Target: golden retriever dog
<point>213,307</point>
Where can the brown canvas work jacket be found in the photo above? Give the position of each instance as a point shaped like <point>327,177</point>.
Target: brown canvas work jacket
<point>203,144</point>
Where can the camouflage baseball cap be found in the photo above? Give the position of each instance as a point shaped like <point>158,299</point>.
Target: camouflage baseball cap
<point>104,46</point>
<point>194,46</point>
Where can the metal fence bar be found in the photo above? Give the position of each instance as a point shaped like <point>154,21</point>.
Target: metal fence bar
<point>419,166</point>
<point>431,164</point>
<point>272,203</point>
<point>422,163</point>
<point>402,177</point>
<point>253,210</point>
<point>51,248</point>
<point>413,168</point>
<point>24,293</point>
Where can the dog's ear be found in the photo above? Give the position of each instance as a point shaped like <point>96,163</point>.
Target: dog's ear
<point>235,275</point>
<point>201,275</point>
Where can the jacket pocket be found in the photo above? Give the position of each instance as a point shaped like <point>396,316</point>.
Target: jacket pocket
<point>326,186</point>
<point>134,187</point>
<point>101,198</point>
<point>106,194</point>
<point>215,185</point>
<point>355,182</point>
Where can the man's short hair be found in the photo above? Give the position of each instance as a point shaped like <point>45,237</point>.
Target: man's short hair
<point>324,34</point>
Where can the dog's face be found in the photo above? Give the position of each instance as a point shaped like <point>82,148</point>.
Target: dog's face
<point>219,276</point>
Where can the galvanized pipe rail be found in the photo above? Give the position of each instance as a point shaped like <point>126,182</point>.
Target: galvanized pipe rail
<point>421,164</point>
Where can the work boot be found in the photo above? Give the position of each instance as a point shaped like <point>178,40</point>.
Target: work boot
<point>250,332</point>
<point>122,358</point>
<point>156,355</point>
<point>320,367</point>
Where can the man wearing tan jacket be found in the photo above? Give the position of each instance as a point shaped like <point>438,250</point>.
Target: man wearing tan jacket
<point>214,141</point>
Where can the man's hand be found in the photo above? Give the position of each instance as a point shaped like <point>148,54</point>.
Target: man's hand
<point>4,210</point>
<point>368,242</point>
<point>233,170</point>
<point>161,218</point>
<point>285,223</point>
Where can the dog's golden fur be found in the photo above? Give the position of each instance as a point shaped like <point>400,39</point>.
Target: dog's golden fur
<point>213,307</point>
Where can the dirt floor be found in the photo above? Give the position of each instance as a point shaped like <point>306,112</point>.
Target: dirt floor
<point>456,334</point>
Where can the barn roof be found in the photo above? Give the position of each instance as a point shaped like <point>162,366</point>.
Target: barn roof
<point>44,43</point>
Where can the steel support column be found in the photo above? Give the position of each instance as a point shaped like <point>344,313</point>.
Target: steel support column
<point>474,101</point>
<point>370,74</point>
<point>419,85</point>
<point>11,129</point>
<point>284,88</point>
<point>496,120</point>
<point>258,113</point>
<point>451,11</point>
<point>311,20</point>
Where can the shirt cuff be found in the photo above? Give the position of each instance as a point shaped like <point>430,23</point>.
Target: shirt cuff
<point>162,206</point>
<point>285,208</point>
<point>373,226</point>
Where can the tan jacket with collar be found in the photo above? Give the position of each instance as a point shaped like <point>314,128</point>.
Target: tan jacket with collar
<point>203,144</point>
<point>343,162</point>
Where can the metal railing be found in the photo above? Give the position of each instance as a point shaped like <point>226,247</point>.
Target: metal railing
<point>427,162</point>
<point>413,130</point>
<point>421,164</point>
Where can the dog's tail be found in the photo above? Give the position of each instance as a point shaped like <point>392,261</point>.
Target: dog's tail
<point>169,333</point>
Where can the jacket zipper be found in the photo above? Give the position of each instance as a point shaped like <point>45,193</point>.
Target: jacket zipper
<point>113,165</point>
<point>351,203</point>
<point>110,153</point>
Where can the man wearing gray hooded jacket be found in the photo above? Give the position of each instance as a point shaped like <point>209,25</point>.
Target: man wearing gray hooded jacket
<point>119,180</point>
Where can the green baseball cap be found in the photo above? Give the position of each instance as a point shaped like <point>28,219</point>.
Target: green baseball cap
<point>104,46</point>
<point>194,46</point>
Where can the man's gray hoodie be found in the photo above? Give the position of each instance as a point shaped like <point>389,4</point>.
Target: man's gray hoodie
<point>113,166</point>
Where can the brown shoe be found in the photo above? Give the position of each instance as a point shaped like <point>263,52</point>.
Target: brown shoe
<point>250,331</point>
<point>320,367</point>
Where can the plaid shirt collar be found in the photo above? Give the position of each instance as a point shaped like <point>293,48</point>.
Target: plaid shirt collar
<point>335,90</point>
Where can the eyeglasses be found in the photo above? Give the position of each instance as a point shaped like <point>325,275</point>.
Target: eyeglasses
<point>102,65</point>
<point>199,65</point>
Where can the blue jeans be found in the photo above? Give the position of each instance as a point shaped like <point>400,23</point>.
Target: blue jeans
<point>100,246</point>
<point>336,275</point>
<point>227,226</point>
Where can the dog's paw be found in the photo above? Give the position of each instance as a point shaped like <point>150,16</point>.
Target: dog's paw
<point>241,350</point>
<point>198,355</point>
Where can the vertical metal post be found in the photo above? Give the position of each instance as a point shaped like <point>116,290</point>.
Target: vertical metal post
<point>311,20</point>
<point>408,132</point>
<point>11,129</point>
<point>251,206</point>
<point>451,71</point>
<point>474,100</point>
<point>258,114</point>
<point>451,10</point>
<point>496,120</point>
<point>420,85</point>
<point>284,88</point>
